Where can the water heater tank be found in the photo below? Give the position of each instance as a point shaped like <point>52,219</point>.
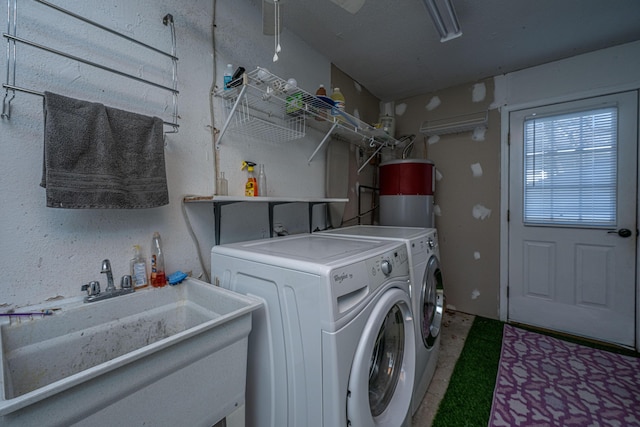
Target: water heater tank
<point>406,193</point>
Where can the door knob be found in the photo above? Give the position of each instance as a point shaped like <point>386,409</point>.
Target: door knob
<point>623,232</point>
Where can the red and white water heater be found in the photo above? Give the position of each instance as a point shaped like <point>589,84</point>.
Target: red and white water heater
<point>406,193</point>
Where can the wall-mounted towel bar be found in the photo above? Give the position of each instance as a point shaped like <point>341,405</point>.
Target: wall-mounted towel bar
<point>12,40</point>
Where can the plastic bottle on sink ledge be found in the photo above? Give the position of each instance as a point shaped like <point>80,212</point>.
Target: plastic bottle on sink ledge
<point>139,269</point>
<point>158,275</point>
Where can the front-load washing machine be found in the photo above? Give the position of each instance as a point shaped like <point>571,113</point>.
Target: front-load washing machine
<point>334,344</point>
<point>427,293</point>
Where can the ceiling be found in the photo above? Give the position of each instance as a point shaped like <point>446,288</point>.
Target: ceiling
<point>392,48</point>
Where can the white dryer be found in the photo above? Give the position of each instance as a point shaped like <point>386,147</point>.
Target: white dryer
<point>334,344</point>
<point>427,292</point>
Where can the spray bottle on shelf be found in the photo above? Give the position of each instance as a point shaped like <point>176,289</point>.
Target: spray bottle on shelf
<point>251,187</point>
<point>158,275</point>
<point>139,269</point>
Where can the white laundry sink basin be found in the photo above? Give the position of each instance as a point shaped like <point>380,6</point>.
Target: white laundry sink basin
<point>168,356</point>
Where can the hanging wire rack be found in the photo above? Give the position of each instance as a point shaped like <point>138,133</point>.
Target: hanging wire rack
<point>13,40</point>
<point>267,107</point>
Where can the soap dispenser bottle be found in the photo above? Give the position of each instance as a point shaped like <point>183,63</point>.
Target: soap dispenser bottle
<point>139,271</point>
<point>251,187</point>
<point>158,275</point>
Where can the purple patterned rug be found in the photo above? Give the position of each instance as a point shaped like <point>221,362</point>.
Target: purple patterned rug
<point>544,381</point>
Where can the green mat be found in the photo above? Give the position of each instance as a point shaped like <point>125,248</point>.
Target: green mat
<point>467,402</point>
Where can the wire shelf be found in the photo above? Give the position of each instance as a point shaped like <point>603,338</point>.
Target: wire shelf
<point>269,108</point>
<point>262,119</point>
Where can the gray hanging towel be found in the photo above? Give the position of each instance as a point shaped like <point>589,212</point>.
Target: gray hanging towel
<point>101,157</point>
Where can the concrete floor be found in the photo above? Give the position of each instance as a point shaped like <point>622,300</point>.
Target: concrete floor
<point>455,328</point>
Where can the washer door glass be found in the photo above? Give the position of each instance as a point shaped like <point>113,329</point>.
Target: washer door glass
<point>432,298</point>
<point>386,361</point>
<point>383,367</point>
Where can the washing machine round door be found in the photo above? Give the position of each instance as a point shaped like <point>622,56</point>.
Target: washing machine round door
<point>431,302</point>
<point>383,369</point>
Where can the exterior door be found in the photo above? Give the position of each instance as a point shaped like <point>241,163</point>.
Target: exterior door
<point>572,217</point>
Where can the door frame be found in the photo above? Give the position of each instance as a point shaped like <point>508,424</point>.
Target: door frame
<point>505,112</point>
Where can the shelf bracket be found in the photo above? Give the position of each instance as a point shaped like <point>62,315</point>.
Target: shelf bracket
<point>372,156</point>
<point>324,140</point>
<point>230,116</point>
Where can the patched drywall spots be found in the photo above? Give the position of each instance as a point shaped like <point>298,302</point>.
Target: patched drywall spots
<point>401,109</point>
<point>451,307</point>
<point>433,139</point>
<point>476,255</point>
<point>356,113</point>
<point>480,212</point>
<point>439,175</point>
<point>433,103</point>
<point>357,86</point>
<point>475,294</point>
<point>436,210</point>
<point>479,92</point>
<point>476,170</point>
<point>478,134</point>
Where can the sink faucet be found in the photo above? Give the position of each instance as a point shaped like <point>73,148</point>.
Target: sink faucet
<point>93,288</point>
<point>106,269</point>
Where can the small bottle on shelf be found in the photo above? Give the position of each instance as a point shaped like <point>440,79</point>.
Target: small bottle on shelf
<point>262,182</point>
<point>339,104</point>
<point>228,75</point>
<point>321,110</point>
<point>222,186</point>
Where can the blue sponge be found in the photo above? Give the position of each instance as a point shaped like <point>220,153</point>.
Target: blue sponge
<point>177,277</point>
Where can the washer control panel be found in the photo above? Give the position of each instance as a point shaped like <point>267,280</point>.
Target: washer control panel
<point>353,283</point>
<point>387,266</point>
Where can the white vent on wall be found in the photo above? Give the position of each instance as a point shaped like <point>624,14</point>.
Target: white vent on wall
<point>457,124</point>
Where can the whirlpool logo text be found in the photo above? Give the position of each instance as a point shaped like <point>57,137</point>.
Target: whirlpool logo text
<point>339,278</point>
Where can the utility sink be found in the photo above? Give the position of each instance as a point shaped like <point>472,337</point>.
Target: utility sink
<point>169,356</point>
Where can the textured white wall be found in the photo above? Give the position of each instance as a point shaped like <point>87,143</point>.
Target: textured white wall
<point>47,253</point>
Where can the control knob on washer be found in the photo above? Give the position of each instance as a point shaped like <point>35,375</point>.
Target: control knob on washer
<point>386,267</point>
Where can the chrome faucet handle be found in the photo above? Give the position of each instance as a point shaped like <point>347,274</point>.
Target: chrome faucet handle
<point>125,282</point>
<point>92,288</point>
<point>95,287</point>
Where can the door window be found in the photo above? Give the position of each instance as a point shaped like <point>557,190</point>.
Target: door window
<point>432,303</point>
<point>386,361</point>
<point>570,168</point>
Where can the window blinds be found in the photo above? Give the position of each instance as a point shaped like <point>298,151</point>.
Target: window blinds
<point>570,168</point>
